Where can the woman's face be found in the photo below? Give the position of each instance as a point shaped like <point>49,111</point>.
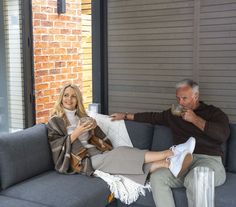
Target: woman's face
<point>69,100</point>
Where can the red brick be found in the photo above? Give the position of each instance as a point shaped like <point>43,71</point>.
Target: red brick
<point>65,31</point>
<point>59,64</point>
<point>65,57</point>
<point>48,78</point>
<point>41,58</point>
<point>71,50</point>
<point>44,113</point>
<point>48,51</point>
<point>47,37</point>
<point>52,17</point>
<point>49,92</point>
<point>42,100</point>
<point>61,51</point>
<point>46,23</point>
<point>38,51</point>
<point>40,73</point>
<point>66,70</point>
<point>55,85</point>
<point>39,107</point>
<point>76,31</point>
<point>54,44</point>
<point>54,57</point>
<point>64,18</point>
<point>41,86</point>
<point>55,71</point>
<point>60,77</point>
<point>36,23</point>
<point>60,24</point>
<point>49,105</point>
<point>76,69</point>
<point>40,45</point>
<point>59,38</point>
<point>72,63</point>
<point>46,9</point>
<point>40,16</point>
<point>72,25</point>
<point>53,31</point>
<point>47,66</point>
<point>72,76</point>
<point>65,44</point>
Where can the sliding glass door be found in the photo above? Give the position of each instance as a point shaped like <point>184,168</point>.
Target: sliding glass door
<point>12,111</point>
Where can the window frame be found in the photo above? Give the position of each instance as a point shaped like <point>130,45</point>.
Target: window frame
<point>100,54</point>
<point>28,70</point>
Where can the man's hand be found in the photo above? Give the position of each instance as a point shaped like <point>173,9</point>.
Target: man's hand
<point>190,116</point>
<point>117,116</point>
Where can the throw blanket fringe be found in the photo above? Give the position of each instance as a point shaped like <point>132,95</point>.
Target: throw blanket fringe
<point>122,187</point>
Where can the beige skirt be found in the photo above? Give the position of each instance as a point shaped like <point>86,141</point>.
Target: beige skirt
<point>126,161</point>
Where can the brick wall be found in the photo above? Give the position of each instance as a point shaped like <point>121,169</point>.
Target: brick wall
<point>58,53</point>
<point>86,49</point>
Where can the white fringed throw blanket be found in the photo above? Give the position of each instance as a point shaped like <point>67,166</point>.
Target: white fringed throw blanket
<point>124,189</point>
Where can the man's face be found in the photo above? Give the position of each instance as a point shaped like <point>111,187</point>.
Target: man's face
<point>187,98</point>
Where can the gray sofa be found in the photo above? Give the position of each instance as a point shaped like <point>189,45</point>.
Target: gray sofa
<point>27,177</point>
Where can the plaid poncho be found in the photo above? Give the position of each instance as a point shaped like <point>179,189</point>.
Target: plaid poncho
<point>62,147</point>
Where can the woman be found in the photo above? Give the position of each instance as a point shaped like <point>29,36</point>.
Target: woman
<point>69,136</point>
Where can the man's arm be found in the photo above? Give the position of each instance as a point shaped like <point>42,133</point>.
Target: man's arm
<point>122,116</point>
<point>190,116</point>
<point>217,128</point>
<point>147,117</point>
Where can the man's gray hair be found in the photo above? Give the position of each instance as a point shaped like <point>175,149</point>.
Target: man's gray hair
<point>190,83</point>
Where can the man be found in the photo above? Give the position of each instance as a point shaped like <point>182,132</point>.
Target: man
<point>207,123</point>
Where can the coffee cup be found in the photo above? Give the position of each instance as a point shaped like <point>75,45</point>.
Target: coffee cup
<point>177,110</point>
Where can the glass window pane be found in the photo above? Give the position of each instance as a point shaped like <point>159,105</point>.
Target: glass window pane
<point>12,84</point>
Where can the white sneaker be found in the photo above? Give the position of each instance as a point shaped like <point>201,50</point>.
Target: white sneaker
<point>189,146</point>
<point>180,163</point>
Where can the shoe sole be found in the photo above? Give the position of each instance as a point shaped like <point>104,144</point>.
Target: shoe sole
<point>192,145</point>
<point>186,163</point>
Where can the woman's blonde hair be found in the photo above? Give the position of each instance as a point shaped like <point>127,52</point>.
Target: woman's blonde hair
<point>58,109</point>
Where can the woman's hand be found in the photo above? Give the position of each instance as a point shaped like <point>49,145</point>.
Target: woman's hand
<point>83,127</point>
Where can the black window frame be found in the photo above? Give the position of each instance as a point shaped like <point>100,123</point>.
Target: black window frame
<point>100,54</point>
<point>28,73</point>
<point>28,70</point>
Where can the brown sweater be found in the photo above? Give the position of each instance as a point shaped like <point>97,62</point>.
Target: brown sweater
<point>208,142</point>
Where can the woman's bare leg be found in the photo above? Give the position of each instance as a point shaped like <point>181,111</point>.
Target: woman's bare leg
<point>153,156</point>
<point>159,164</point>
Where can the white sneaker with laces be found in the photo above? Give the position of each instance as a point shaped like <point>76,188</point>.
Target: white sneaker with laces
<point>189,146</point>
<point>180,163</point>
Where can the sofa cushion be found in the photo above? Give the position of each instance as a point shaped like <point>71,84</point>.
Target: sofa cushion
<point>55,189</point>
<point>140,134</point>
<point>231,152</point>
<point>225,194</point>
<point>24,154</point>
<point>13,202</point>
<point>162,138</point>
